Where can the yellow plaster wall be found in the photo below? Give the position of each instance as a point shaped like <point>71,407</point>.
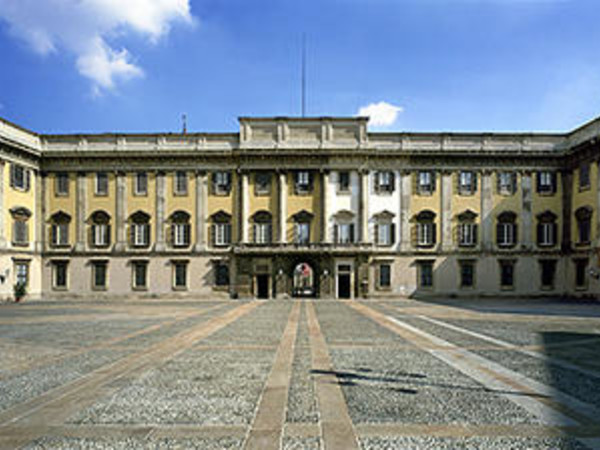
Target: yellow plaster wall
<point>585,197</point>
<point>14,198</point>
<point>105,203</point>
<point>65,203</point>
<point>310,202</point>
<point>216,203</point>
<point>145,203</point>
<point>176,202</point>
<point>431,202</point>
<point>461,203</point>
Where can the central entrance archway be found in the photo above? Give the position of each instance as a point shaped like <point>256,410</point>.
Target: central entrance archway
<point>303,280</point>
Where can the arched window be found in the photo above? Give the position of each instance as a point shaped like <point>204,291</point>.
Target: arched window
<point>506,229</point>
<point>467,229</point>
<point>100,229</point>
<point>180,229</point>
<point>220,229</point>
<point>20,216</point>
<point>385,229</point>
<point>262,227</point>
<point>302,221</point>
<point>59,229</point>
<point>546,229</point>
<point>584,224</point>
<point>139,229</point>
<point>425,229</point>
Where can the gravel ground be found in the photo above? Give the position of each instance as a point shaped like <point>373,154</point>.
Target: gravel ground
<point>37,381</point>
<point>302,405</point>
<point>17,357</point>
<point>68,443</point>
<point>474,443</point>
<point>196,387</point>
<point>382,385</point>
<point>296,443</point>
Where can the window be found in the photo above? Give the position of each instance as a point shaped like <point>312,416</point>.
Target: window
<point>140,275</point>
<point>547,271</point>
<point>302,233</point>
<point>20,217</point>
<point>425,182</point>
<point>507,269</point>
<point>343,181</point>
<point>425,274</point>
<point>584,176</point>
<point>180,274</point>
<point>100,230</point>
<point>22,272</point>
<point>262,183</point>
<point>221,274</point>
<point>546,182</point>
<point>506,229</point>
<point>221,229</point>
<point>20,177</point>
<point>60,274</point>
<point>221,183</point>
<point>467,229</point>
<point>581,273</point>
<point>546,229</point>
<point>343,233</point>
<point>99,274</point>
<point>385,233</point>
<point>140,184</point>
<point>303,182</point>
<point>101,183</point>
<point>60,223</point>
<point>384,182</point>
<point>467,274</point>
<point>506,183</point>
<point>426,229</point>
<point>61,184</point>
<point>180,229</point>
<point>262,227</point>
<point>584,223</point>
<point>181,183</point>
<point>385,276</point>
<point>139,229</point>
<point>467,183</point>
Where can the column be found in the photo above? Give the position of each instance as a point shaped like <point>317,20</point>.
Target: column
<point>446,210</point>
<point>201,200</point>
<point>526,211</point>
<point>363,206</point>
<point>566,178</point>
<point>81,207</point>
<point>2,211</point>
<point>244,207</point>
<point>487,205</point>
<point>283,193</point>
<point>40,213</point>
<point>325,236</point>
<point>160,212</point>
<point>405,194</point>
<point>121,211</point>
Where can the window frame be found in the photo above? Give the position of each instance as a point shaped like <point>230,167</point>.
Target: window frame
<point>302,182</point>
<point>544,264</point>
<point>137,184</point>
<point>56,266</point>
<point>21,269</point>
<point>343,187</point>
<point>95,285</point>
<point>61,184</point>
<point>507,263</point>
<point>503,188</point>
<point>427,188</point>
<point>221,182</point>
<point>180,183</point>
<point>262,187</point>
<point>463,264</point>
<point>101,184</point>
<point>135,266</point>
<point>421,266</point>
<point>20,177</point>
<point>467,188</point>
<point>384,281</point>
<point>177,266</point>
<point>584,182</point>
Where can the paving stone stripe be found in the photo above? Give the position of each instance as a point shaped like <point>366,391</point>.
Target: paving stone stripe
<point>54,407</point>
<point>550,405</point>
<point>266,430</point>
<point>337,430</point>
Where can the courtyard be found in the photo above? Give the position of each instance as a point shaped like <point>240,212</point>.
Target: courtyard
<point>300,374</point>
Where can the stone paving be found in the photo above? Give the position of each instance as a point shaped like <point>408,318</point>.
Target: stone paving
<point>394,374</point>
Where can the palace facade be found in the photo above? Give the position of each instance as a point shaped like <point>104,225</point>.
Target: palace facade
<point>315,207</point>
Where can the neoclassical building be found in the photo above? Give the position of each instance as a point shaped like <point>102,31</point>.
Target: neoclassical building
<point>315,207</point>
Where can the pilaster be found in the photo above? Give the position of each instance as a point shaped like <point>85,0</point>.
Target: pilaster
<point>487,205</point>
<point>363,206</point>
<point>81,208</point>
<point>121,211</point>
<point>405,194</point>
<point>526,210</point>
<point>283,194</point>
<point>201,200</point>
<point>160,211</point>
<point>244,208</point>
<point>325,180</point>
<point>446,210</point>
<point>40,211</point>
<point>2,209</point>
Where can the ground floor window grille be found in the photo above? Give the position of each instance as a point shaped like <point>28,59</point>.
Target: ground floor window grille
<point>99,274</point>
<point>180,275</point>
<point>548,271</point>
<point>60,274</point>
<point>467,274</point>
<point>221,274</point>
<point>507,274</point>
<point>140,275</point>
<point>580,273</point>
<point>425,274</point>
<point>385,275</point>
<point>22,273</point>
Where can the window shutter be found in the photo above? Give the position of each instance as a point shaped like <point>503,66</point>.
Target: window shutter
<point>515,234</point>
<point>498,233</point>
<point>172,234</point>
<point>475,234</point>
<point>475,179</point>
<point>538,181</point>
<point>540,233</point>
<point>433,182</point>
<point>352,233</point>
<point>335,233</point>
<point>27,178</point>
<point>53,236</point>
<point>498,183</point>
<point>93,235</point>
<point>393,233</point>
<point>213,234</point>
<point>554,228</point>
<point>456,177</point>
<point>146,234</point>
<point>513,179</point>
<point>108,240</point>
<point>12,175</point>
<point>392,181</point>
<point>310,181</point>
<point>132,234</point>
<point>228,233</point>
<point>553,178</point>
<point>433,233</point>
<point>376,237</point>
<point>457,232</point>
<point>415,235</point>
<point>187,233</point>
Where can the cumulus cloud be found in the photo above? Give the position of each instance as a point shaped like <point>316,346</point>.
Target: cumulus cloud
<point>84,28</point>
<point>381,114</point>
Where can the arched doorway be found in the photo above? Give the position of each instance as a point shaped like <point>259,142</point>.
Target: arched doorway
<point>303,280</point>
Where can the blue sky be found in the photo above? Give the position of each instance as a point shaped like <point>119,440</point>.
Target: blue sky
<point>460,65</point>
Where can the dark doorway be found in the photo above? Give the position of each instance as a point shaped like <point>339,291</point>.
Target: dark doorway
<point>303,281</point>
<point>343,285</point>
<point>262,286</point>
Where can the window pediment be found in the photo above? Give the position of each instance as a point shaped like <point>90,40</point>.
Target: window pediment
<point>20,211</point>
<point>221,217</point>
<point>507,216</point>
<point>426,215</point>
<point>384,216</point>
<point>60,217</point>
<point>179,217</point>
<point>262,217</point>
<point>139,217</point>
<point>547,216</point>
<point>344,215</point>
<point>100,217</point>
<point>303,216</point>
<point>467,216</point>
<point>583,213</point>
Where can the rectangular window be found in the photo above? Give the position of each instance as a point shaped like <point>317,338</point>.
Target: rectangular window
<point>181,183</point>
<point>140,275</point>
<point>181,234</point>
<point>22,273</point>
<point>222,234</point>
<point>507,280</point>
<point>60,274</point>
<point>99,274</point>
<point>548,270</point>
<point>425,234</point>
<point>581,273</point>
<point>345,233</point>
<point>547,231</point>
<point>466,183</point>
<point>140,234</point>
<point>141,183</point>
<point>384,234</point>
<point>100,232</point>
<point>467,274</point>
<point>101,183</point>
<point>425,274</point>
<point>343,181</point>
<point>60,234</point>
<point>385,275</point>
<point>262,182</point>
<point>546,182</point>
<point>221,274</point>
<point>425,184</point>
<point>507,183</point>
<point>467,234</point>
<point>584,230</point>
<point>302,233</point>
<point>303,182</point>
<point>385,182</point>
<point>506,234</point>
<point>584,176</point>
<point>262,233</point>
<point>19,177</point>
<point>221,183</point>
<point>180,274</point>
<point>61,184</point>
<point>20,232</point>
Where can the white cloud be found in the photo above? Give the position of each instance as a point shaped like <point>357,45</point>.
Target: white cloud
<point>84,27</point>
<point>381,114</point>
